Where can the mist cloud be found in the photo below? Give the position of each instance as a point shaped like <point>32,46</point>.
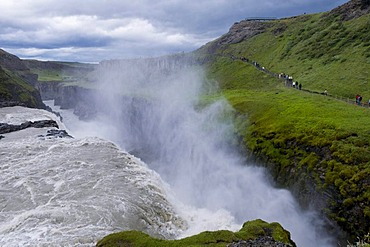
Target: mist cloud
<point>95,30</point>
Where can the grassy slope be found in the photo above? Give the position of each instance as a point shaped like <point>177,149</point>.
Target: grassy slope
<point>307,136</point>
<point>250,230</point>
<point>320,52</point>
<point>13,88</point>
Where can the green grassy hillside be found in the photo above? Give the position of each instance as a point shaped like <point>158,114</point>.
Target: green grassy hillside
<point>16,91</point>
<point>319,51</point>
<point>314,144</point>
<point>17,83</point>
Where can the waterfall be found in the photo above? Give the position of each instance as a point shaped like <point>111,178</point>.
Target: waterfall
<point>188,177</point>
<point>154,110</point>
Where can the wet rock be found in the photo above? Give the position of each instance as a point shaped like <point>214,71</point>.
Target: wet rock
<point>8,128</point>
<point>11,104</point>
<point>58,133</point>
<point>44,123</point>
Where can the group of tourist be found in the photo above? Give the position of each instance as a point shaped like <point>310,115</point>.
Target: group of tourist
<point>289,79</point>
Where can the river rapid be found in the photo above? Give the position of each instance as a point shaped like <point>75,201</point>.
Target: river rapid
<point>188,177</point>
<point>71,192</point>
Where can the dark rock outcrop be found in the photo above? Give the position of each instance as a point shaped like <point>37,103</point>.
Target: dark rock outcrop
<point>11,103</point>
<point>238,32</point>
<point>8,128</point>
<point>243,30</point>
<point>57,134</point>
<point>351,10</point>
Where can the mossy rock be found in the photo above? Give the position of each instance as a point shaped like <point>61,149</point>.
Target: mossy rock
<point>251,230</point>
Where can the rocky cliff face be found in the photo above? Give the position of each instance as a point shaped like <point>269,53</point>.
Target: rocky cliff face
<point>352,9</point>
<point>81,100</point>
<point>243,30</point>
<point>49,90</point>
<point>238,32</point>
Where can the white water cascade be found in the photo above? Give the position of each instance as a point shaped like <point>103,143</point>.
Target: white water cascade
<point>71,192</point>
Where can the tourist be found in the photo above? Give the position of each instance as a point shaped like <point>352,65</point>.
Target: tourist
<point>290,80</point>
<point>358,99</point>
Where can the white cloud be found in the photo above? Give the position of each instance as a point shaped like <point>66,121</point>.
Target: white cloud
<point>124,28</point>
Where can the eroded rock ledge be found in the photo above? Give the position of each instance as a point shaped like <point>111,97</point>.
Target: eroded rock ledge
<point>7,128</point>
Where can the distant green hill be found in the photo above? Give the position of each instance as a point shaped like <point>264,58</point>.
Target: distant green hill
<point>49,71</point>
<point>316,145</point>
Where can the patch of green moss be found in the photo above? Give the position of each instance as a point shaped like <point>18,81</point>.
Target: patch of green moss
<point>250,230</point>
<point>254,229</point>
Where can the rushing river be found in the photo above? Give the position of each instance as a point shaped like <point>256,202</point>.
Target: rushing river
<point>73,192</point>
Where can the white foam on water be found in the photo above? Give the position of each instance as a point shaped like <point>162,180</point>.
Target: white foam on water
<point>73,192</point>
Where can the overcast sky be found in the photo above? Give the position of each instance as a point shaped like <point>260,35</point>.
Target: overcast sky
<point>95,30</point>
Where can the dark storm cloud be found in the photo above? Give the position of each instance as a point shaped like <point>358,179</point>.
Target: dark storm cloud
<point>93,30</point>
